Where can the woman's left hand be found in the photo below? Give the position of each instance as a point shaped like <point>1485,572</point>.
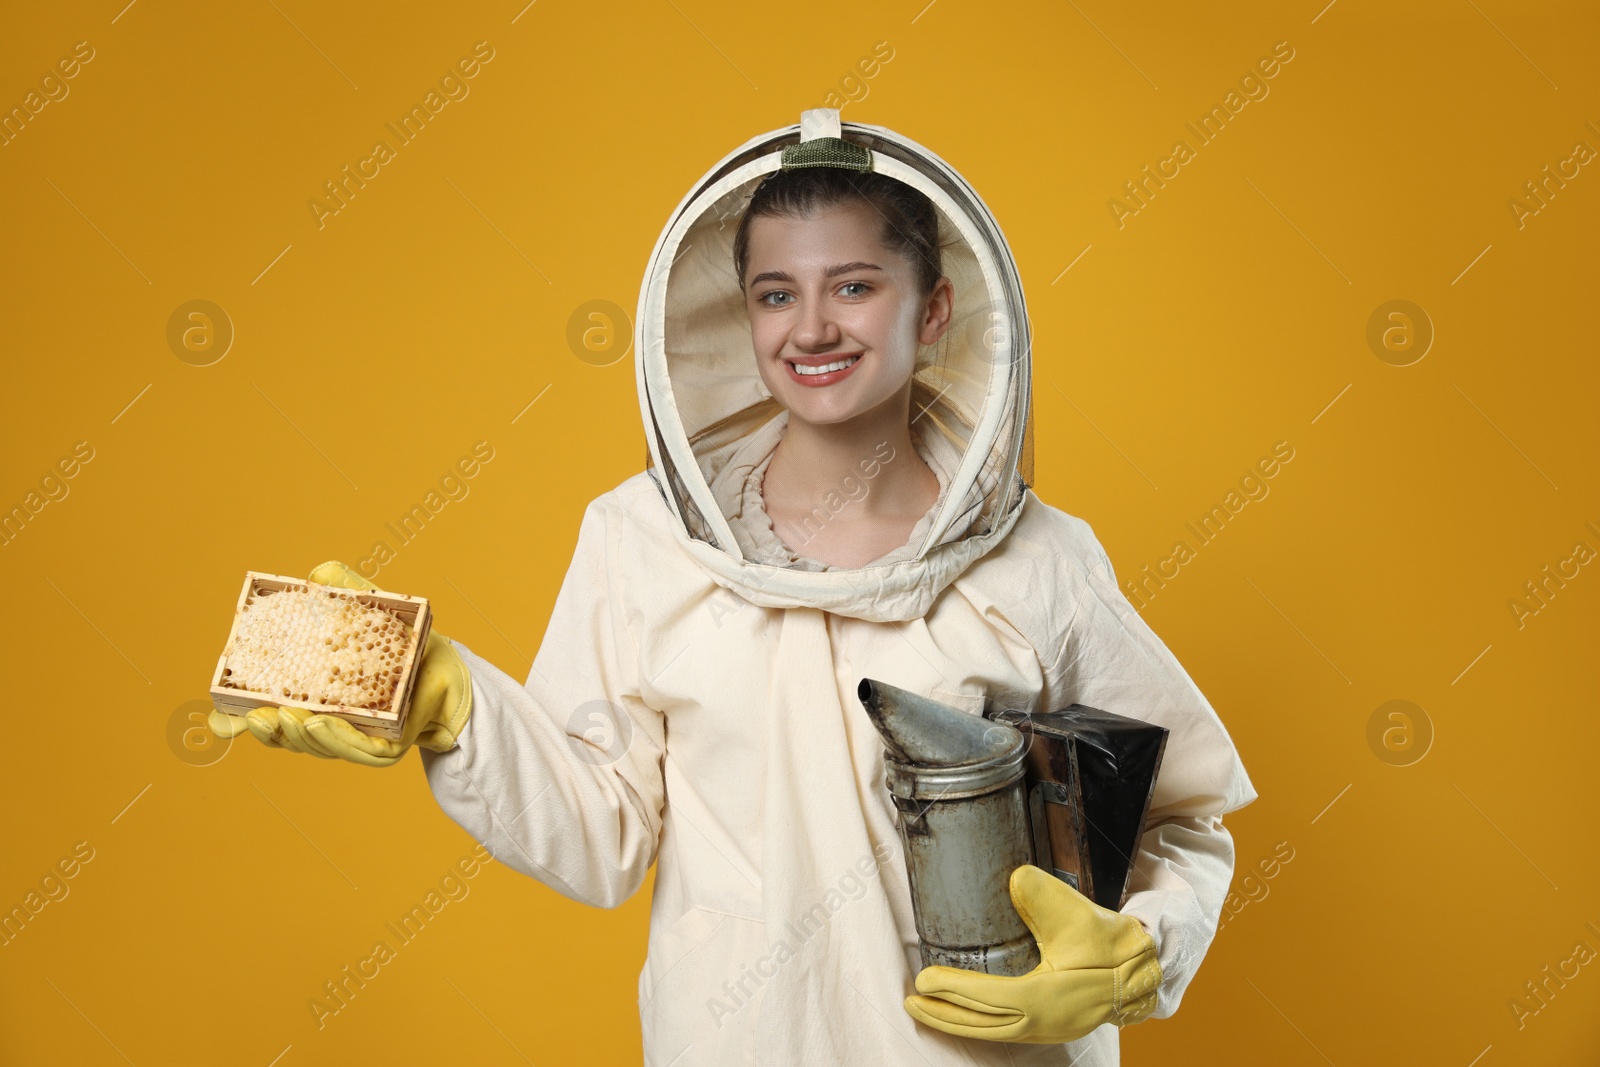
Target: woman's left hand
<point>1096,966</point>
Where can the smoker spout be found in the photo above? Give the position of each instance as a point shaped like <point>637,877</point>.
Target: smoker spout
<point>921,731</point>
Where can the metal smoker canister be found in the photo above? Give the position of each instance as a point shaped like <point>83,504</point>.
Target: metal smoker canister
<point>957,783</point>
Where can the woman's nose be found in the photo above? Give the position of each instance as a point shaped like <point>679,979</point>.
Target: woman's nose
<point>815,330</point>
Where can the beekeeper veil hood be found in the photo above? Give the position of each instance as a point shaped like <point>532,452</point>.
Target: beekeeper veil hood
<point>709,417</point>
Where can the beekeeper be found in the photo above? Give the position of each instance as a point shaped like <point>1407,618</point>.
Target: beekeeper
<point>834,371</point>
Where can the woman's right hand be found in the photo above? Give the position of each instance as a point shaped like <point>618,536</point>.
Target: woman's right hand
<point>441,703</point>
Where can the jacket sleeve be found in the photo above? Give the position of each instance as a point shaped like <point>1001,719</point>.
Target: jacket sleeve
<point>1113,661</point>
<point>562,776</point>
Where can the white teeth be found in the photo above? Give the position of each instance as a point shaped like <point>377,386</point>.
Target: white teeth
<point>800,368</point>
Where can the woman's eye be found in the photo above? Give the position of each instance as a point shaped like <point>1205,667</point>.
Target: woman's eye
<point>858,287</point>
<point>771,299</point>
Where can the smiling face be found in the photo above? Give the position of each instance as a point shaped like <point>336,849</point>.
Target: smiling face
<point>836,316</point>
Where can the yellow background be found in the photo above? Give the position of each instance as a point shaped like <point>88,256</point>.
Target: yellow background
<point>1227,315</point>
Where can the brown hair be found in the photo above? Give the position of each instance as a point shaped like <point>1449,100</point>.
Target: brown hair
<point>910,221</point>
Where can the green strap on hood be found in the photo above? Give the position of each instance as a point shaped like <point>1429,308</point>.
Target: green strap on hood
<point>826,152</point>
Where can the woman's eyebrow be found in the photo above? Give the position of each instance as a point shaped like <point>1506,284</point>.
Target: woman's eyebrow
<point>846,268</point>
<point>842,268</point>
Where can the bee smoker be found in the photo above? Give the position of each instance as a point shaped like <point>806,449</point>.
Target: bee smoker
<point>977,797</point>
<point>957,783</point>
<point>1091,776</point>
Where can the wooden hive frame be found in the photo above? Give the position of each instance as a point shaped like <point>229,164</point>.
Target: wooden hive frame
<point>385,722</point>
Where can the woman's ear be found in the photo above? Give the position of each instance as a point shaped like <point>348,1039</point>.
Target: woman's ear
<point>936,312</point>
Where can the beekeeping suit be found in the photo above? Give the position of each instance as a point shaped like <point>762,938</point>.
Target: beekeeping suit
<point>693,703</point>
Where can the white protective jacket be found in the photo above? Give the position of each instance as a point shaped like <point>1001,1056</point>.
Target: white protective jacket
<point>693,703</point>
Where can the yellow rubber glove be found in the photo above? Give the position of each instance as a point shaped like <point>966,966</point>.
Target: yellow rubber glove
<point>1096,966</point>
<point>441,703</point>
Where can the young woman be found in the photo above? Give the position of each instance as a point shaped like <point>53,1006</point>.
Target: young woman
<point>835,393</point>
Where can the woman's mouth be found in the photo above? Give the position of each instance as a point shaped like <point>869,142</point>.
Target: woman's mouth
<point>817,371</point>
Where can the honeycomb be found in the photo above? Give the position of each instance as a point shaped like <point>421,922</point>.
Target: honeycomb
<point>317,645</point>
